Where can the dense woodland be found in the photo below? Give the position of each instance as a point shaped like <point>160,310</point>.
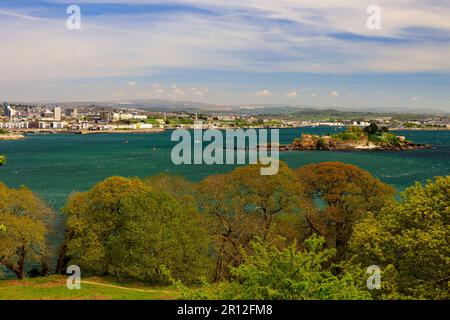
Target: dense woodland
<point>309,233</point>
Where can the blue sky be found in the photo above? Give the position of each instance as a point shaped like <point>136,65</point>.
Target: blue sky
<point>296,52</point>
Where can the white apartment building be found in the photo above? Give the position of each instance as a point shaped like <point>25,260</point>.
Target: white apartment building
<point>14,125</point>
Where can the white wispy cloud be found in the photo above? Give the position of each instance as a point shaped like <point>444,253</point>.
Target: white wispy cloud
<point>226,39</point>
<point>292,94</point>
<point>178,92</point>
<point>263,93</point>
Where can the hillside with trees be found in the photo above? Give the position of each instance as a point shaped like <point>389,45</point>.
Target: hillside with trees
<point>304,234</point>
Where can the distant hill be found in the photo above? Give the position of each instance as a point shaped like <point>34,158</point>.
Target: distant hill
<point>253,109</point>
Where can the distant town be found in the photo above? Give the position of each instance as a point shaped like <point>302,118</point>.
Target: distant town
<point>22,118</point>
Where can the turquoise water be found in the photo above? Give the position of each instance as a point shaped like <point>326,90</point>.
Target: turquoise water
<point>56,165</point>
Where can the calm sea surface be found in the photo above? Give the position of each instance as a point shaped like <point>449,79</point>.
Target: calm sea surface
<point>56,165</point>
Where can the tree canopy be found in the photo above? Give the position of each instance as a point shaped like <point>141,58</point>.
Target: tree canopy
<point>25,223</point>
<point>411,238</point>
<point>244,204</point>
<point>123,227</point>
<point>340,195</point>
<point>309,233</point>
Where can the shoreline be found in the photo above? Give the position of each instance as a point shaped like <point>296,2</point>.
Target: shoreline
<point>5,137</point>
<point>419,129</point>
<point>156,130</point>
<point>84,132</point>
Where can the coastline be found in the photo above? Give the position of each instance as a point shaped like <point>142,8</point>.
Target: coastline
<point>21,132</point>
<point>420,129</point>
<point>4,137</point>
<point>84,132</point>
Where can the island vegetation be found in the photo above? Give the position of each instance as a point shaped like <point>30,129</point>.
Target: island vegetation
<point>6,135</point>
<point>371,137</point>
<point>307,233</point>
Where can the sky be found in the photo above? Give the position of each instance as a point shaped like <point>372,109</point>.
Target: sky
<point>290,52</point>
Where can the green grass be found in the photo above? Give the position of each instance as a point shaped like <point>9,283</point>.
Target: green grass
<point>54,288</point>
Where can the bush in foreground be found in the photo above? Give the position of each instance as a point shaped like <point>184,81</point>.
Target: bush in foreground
<point>271,273</point>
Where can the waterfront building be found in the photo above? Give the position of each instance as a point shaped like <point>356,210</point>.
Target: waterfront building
<point>125,116</point>
<point>71,113</point>
<point>8,111</point>
<point>139,117</point>
<point>5,109</point>
<point>57,114</point>
<point>142,126</point>
<point>361,123</point>
<point>58,125</point>
<point>107,116</point>
<point>47,115</point>
<point>44,125</point>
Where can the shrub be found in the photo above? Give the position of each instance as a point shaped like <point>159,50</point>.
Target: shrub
<point>271,273</point>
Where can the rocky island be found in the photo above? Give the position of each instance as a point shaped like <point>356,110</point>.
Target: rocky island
<point>353,139</point>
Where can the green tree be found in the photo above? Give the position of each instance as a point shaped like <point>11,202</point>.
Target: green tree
<point>2,162</point>
<point>26,222</point>
<point>372,129</point>
<point>339,196</point>
<point>177,186</point>
<point>412,239</point>
<point>271,273</point>
<point>123,227</point>
<point>242,205</point>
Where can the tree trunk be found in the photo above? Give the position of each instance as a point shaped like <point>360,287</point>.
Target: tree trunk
<point>20,270</point>
<point>219,264</point>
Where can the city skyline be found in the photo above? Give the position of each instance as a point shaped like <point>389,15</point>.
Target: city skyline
<point>228,52</point>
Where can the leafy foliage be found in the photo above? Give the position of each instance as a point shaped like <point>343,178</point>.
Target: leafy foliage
<point>2,160</point>
<point>304,234</point>
<point>242,205</point>
<point>25,222</point>
<point>339,196</point>
<point>288,274</point>
<point>412,239</point>
<point>270,273</point>
<point>371,133</point>
<point>123,227</point>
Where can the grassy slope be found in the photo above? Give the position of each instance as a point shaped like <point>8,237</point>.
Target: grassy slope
<point>54,288</point>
